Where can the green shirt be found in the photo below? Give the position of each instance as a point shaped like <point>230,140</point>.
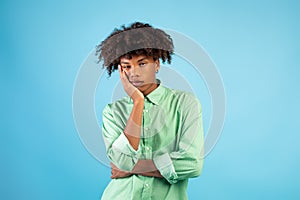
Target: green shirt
<point>171,135</point>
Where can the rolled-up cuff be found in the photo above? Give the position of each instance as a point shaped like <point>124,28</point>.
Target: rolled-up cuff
<point>122,146</point>
<point>165,166</point>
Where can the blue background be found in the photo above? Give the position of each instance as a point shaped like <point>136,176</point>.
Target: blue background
<point>255,45</point>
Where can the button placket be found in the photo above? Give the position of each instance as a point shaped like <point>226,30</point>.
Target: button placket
<point>146,119</point>
<point>147,124</point>
<point>146,195</point>
<point>148,152</point>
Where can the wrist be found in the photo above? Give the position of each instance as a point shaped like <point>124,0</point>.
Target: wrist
<point>137,97</point>
<point>138,101</point>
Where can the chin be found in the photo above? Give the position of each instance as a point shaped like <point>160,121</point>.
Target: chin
<point>142,87</point>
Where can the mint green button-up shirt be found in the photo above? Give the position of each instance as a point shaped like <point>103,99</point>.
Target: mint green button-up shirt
<point>171,135</point>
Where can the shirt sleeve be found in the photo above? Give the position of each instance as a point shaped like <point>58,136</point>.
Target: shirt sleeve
<point>187,161</point>
<point>118,149</point>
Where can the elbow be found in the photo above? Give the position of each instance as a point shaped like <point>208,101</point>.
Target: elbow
<point>196,169</point>
<point>197,172</point>
<point>122,161</point>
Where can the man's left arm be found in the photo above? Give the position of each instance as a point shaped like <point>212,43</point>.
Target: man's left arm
<point>185,163</point>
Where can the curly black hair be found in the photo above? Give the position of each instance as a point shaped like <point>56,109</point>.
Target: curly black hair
<point>136,39</point>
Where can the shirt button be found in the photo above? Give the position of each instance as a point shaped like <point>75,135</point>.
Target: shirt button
<point>146,185</point>
<point>146,129</point>
<point>147,148</point>
<point>146,111</point>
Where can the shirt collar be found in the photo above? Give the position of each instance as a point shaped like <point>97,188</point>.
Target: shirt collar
<point>156,95</point>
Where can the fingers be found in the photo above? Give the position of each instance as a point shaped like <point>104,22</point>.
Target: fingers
<point>119,174</point>
<point>113,175</point>
<point>112,165</point>
<point>113,171</point>
<point>123,74</point>
<point>120,68</point>
<point>116,173</point>
<point>129,88</point>
<point>120,71</point>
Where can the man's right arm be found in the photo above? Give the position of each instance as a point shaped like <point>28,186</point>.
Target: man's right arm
<point>133,126</point>
<point>122,143</point>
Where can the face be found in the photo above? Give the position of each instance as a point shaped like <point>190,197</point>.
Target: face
<point>140,70</point>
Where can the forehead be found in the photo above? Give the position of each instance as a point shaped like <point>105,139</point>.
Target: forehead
<point>135,58</point>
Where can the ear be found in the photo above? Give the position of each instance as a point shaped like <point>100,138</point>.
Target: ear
<point>157,65</point>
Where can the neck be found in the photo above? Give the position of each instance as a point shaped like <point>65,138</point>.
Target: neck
<point>149,88</point>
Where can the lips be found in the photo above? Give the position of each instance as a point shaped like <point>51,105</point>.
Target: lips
<point>137,83</point>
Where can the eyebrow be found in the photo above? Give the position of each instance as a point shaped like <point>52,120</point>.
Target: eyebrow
<point>144,58</point>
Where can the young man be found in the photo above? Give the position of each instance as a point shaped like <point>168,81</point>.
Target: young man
<point>153,136</point>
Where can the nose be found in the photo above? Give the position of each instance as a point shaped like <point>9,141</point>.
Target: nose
<point>135,71</point>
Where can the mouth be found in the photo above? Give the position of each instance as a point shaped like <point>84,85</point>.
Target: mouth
<point>137,83</point>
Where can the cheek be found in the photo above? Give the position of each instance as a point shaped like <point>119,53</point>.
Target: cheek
<point>150,70</point>
<point>151,75</point>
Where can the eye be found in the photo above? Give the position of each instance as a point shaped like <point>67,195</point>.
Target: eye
<point>126,67</point>
<point>142,64</point>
